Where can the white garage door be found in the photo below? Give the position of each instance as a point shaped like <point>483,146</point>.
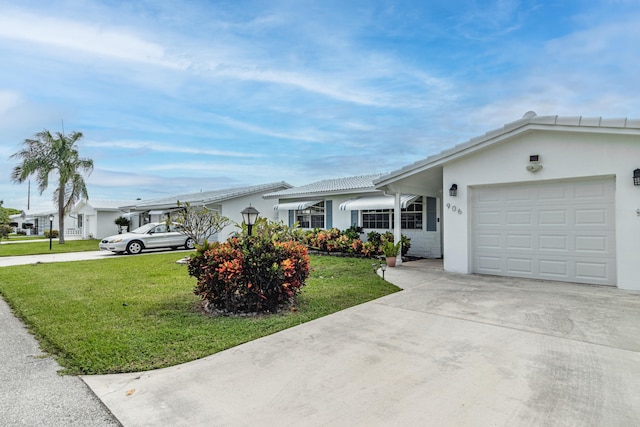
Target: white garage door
<point>552,231</point>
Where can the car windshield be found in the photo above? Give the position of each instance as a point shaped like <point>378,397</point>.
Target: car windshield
<point>144,229</point>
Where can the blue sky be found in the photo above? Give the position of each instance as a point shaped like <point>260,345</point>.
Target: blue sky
<point>182,96</point>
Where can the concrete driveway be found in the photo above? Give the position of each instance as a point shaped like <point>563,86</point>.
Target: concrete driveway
<point>450,350</point>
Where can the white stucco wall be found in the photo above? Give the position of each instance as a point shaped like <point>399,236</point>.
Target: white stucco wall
<point>564,155</point>
<point>232,208</point>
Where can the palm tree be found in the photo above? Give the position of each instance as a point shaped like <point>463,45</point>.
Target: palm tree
<point>46,154</point>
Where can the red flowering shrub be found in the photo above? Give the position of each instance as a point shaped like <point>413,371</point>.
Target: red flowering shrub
<point>249,274</point>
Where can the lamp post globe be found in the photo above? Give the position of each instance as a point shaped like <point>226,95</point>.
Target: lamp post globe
<point>249,216</point>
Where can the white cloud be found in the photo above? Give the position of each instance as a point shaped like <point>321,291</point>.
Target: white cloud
<point>89,38</point>
<point>164,148</point>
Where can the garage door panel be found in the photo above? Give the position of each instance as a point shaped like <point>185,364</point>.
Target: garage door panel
<point>555,231</point>
<point>489,218</point>
<point>519,241</point>
<point>592,270</point>
<point>490,264</point>
<point>552,217</point>
<point>519,218</point>
<point>591,244</point>
<point>588,217</point>
<point>516,195</point>
<point>552,193</point>
<point>489,241</point>
<point>517,266</point>
<point>591,190</point>
<point>555,269</point>
<point>551,242</point>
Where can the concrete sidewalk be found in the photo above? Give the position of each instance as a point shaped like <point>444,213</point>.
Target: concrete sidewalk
<point>450,350</point>
<point>31,391</point>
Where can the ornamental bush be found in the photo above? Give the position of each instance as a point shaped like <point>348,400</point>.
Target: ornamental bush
<point>245,274</point>
<point>349,242</point>
<point>53,234</point>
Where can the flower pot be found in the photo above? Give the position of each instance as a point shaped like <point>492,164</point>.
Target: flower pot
<point>391,261</point>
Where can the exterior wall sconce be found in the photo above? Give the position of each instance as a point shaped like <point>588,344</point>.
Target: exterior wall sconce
<point>636,177</point>
<point>453,191</point>
<point>249,216</point>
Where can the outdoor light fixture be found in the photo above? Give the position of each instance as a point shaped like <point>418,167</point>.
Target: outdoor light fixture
<point>453,191</point>
<point>636,177</point>
<point>383,267</point>
<point>50,230</point>
<point>249,216</point>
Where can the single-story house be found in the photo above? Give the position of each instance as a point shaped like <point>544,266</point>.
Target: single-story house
<point>228,202</point>
<point>343,202</point>
<point>544,197</point>
<point>35,222</point>
<point>95,218</point>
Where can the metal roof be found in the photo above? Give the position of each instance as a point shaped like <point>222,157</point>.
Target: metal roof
<point>362,183</point>
<point>207,197</point>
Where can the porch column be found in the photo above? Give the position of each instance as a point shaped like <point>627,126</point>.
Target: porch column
<point>397,224</point>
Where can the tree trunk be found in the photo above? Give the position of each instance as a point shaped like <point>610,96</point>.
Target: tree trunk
<point>61,214</point>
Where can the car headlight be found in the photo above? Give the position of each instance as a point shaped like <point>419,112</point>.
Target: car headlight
<point>119,239</point>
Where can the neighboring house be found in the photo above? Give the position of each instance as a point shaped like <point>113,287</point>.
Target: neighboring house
<point>344,202</point>
<point>94,218</point>
<point>38,221</point>
<point>228,202</point>
<point>544,197</point>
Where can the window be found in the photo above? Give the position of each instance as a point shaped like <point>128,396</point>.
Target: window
<point>380,218</point>
<point>80,220</point>
<point>411,217</point>
<point>311,217</point>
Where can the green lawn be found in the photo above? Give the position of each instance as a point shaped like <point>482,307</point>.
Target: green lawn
<point>36,248</point>
<point>138,313</point>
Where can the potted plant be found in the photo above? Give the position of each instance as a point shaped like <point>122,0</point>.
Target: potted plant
<point>390,251</point>
<point>123,224</point>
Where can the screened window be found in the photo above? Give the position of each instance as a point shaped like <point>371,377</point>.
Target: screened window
<point>311,217</point>
<point>411,217</point>
<point>380,218</point>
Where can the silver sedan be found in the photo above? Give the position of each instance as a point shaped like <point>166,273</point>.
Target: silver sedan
<point>149,236</point>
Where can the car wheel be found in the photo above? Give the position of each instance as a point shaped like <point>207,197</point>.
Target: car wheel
<point>134,247</point>
<point>190,243</point>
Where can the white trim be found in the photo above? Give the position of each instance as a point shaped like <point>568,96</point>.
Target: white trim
<point>378,202</point>
<point>295,206</point>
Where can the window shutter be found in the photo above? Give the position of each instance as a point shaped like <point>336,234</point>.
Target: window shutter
<point>354,218</point>
<point>431,214</point>
<point>328,209</point>
<point>292,218</point>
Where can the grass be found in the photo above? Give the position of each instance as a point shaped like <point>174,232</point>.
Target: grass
<point>37,248</point>
<point>20,237</point>
<point>139,313</point>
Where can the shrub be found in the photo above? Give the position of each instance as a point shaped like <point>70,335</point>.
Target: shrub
<point>54,234</point>
<point>5,230</point>
<point>249,274</point>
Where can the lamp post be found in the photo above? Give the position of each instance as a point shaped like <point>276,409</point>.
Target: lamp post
<point>249,216</point>
<point>50,230</point>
